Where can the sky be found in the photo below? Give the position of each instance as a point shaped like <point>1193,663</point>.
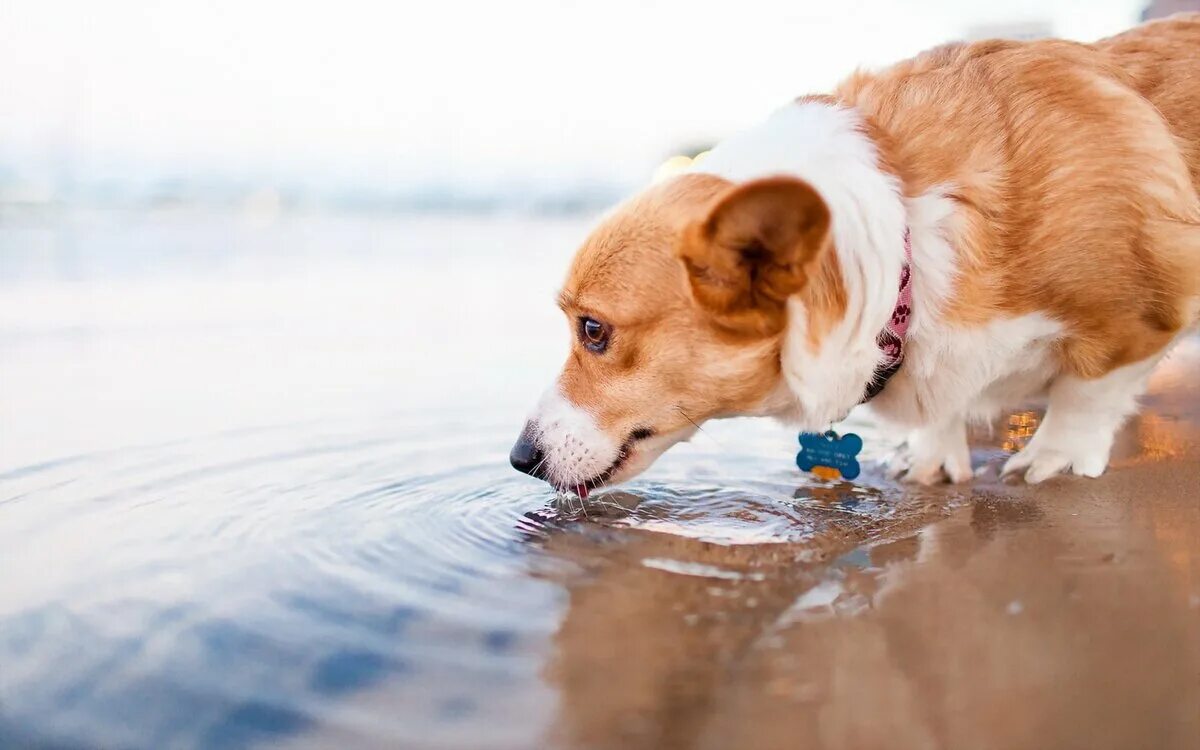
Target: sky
<point>397,92</point>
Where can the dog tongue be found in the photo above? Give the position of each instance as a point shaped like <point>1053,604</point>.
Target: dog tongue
<point>582,491</point>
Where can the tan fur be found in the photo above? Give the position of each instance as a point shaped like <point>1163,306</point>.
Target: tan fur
<point>666,364</point>
<point>759,244</point>
<point>673,362</point>
<point>1074,169</point>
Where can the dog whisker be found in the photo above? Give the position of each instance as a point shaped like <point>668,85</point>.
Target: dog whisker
<point>700,429</point>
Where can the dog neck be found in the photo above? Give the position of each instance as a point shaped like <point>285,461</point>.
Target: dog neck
<point>829,355</point>
<point>892,338</point>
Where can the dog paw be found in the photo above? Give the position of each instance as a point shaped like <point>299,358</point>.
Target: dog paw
<point>1041,460</point>
<point>933,457</point>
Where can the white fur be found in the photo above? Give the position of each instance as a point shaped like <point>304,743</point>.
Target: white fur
<point>931,221</point>
<point>575,448</point>
<point>576,451</point>
<point>969,372</point>
<point>1081,421</point>
<point>954,375</point>
<point>825,146</point>
<point>932,450</point>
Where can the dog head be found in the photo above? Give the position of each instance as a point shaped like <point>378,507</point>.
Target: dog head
<point>677,305</point>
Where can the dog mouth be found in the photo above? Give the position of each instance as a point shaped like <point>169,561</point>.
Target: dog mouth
<point>583,489</point>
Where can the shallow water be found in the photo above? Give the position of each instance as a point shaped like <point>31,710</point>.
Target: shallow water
<point>254,490</point>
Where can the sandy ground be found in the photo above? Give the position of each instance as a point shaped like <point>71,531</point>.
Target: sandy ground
<point>1065,615</point>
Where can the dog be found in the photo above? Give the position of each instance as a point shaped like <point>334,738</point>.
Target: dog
<point>937,241</point>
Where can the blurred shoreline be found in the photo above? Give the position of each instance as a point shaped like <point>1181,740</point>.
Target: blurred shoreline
<point>32,200</point>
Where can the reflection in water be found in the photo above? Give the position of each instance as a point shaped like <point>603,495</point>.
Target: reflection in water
<point>666,596</point>
<point>996,626</point>
<point>1162,438</point>
<point>1021,426</point>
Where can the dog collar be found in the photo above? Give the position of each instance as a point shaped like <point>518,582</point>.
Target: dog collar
<point>891,339</point>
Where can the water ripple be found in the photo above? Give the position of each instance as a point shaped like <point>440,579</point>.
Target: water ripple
<point>152,596</point>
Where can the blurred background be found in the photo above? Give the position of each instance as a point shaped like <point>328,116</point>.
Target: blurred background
<point>254,171</point>
<point>276,288</point>
<point>533,106</point>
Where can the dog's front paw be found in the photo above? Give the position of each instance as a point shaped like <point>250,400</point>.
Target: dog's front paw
<point>933,455</point>
<point>1084,455</point>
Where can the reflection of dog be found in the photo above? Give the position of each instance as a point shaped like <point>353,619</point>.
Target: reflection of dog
<point>1007,624</point>
<point>1045,191</point>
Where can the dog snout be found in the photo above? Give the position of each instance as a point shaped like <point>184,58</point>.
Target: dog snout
<point>526,455</point>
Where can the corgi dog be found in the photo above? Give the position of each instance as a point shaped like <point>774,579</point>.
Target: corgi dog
<point>937,241</point>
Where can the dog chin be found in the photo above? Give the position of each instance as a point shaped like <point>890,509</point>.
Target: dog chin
<point>642,456</point>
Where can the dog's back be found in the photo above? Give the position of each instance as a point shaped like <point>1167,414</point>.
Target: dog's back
<point>1162,61</point>
<point>1071,166</point>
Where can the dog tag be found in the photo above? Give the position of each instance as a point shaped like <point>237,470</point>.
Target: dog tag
<point>828,455</point>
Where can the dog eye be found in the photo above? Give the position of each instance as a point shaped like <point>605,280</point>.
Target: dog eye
<point>593,334</point>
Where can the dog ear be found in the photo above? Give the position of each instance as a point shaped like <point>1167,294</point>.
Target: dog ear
<point>755,248</point>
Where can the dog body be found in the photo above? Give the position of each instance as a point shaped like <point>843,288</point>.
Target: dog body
<point>1045,191</point>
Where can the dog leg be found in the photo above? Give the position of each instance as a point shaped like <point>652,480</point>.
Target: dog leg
<point>935,453</point>
<point>1082,418</point>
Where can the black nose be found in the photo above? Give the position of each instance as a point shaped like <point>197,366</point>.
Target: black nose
<point>526,456</point>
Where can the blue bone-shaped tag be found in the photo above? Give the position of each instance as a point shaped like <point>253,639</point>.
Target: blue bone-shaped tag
<point>829,456</point>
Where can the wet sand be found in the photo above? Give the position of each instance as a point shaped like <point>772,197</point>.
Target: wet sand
<point>999,615</point>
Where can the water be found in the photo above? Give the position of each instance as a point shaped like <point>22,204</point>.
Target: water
<point>254,490</point>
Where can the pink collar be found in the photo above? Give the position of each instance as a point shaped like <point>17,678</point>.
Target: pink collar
<point>891,339</point>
